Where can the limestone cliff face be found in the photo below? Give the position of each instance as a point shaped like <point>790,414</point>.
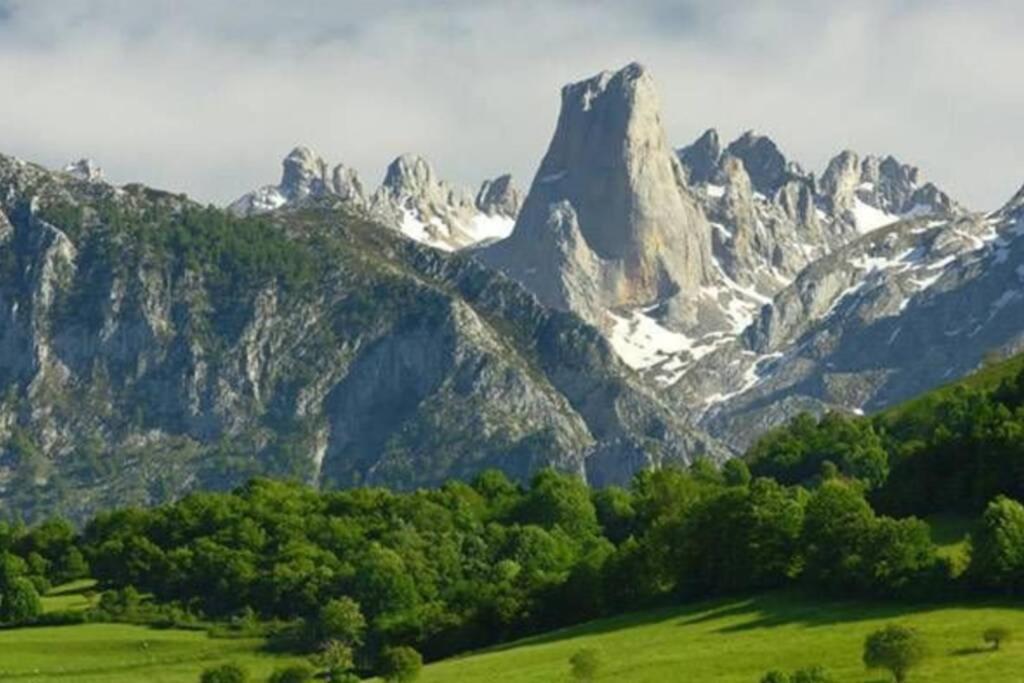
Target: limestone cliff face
<point>608,221</point>
<point>149,346</point>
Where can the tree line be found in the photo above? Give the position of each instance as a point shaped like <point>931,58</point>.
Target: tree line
<point>366,570</point>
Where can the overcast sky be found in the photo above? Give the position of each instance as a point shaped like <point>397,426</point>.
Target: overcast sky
<point>206,96</point>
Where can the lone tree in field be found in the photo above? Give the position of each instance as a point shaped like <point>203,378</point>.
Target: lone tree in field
<point>996,636</point>
<point>400,664</point>
<point>898,649</point>
<point>585,664</point>
<point>225,673</point>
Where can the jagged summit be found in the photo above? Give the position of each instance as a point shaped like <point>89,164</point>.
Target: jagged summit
<point>608,221</point>
<point>85,169</point>
<point>304,175</point>
<point>701,159</point>
<point>499,197</point>
<point>766,165</point>
<point>412,198</point>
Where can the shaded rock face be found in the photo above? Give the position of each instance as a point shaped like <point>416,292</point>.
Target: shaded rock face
<point>608,221</point>
<point>499,197</point>
<point>767,167</point>
<point>702,158</point>
<point>132,372</point>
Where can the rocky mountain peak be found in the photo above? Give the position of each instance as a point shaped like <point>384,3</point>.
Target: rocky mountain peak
<point>304,173</point>
<point>840,181</point>
<point>85,169</point>
<point>609,176</point>
<point>701,158</point>
<point>410,175</point>
<point>767,166</point>
<point>499,197</point>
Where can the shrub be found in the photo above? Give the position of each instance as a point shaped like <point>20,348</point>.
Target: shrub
<point>813,674</point>
<point>225,673</point>
<point>400,664</point>
<point>996,636</point>
<point>296,673</point>
<point>585,664</point>
<point>19,602</point>
<point>897,649</point>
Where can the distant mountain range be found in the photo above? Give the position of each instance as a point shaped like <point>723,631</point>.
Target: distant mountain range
<point>746,288</point>
<point>657,304</point>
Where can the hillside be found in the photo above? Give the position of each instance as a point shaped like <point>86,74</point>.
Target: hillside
<point>150,346</point>
<point>738,640</point>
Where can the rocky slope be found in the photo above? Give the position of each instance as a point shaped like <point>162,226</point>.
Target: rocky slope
<point>411,198</point>
<point>894,313</point>
<point>149,346</point>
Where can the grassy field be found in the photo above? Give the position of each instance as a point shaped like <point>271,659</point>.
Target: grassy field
<point>735,641</point>
<point>119,653</point>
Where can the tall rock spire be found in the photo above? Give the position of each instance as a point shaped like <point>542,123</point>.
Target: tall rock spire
<point>608,220</point>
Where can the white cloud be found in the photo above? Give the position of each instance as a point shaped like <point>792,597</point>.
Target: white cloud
<point>207,96</point>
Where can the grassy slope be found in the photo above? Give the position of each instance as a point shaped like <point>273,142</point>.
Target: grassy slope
<point>120,653</point>
<point>987,378</point>
<point>735,641</point>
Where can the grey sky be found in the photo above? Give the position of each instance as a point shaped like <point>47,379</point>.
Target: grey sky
<point>207,96</point>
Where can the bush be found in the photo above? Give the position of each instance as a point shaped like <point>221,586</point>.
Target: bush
<point>19,602</point>
<point>897,649</point>
<point>296,673</point>
<point>996,636</point>
<point>585,664</point>
<point>814,674</point>
<point>997,547</point>
<point>225,673</point>
<point>400,664</point>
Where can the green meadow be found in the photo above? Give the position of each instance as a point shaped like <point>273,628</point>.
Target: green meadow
<point>736,641</point>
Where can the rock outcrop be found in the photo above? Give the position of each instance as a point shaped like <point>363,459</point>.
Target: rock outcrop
<point>608,221</point>
<point>305,176</point>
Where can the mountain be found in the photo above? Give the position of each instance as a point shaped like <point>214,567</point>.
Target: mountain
<point>411,198</point>
<point>149,346</point>
<point>746,287</point>
<point>894,313</point>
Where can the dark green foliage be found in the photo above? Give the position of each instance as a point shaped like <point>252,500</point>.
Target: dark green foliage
<point>585,665</point>
<point>847,547</point>
<point>997,547</point>
<point>341,620</point>
<point>997,635</point>
<point>19,602</point>
<point>296,673</point>
<point>955,450</point>
<point>795,453</point>
<point>225,673</point>
<point>897,649</point>
<point>735,472</point>
<point>814,674</point>
<point>400,664</point>
<point>558,501</point>
<point>763,524</point>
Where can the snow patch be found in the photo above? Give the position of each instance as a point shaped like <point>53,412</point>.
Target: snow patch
<point>868,218</point>
<point>486,227</point>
